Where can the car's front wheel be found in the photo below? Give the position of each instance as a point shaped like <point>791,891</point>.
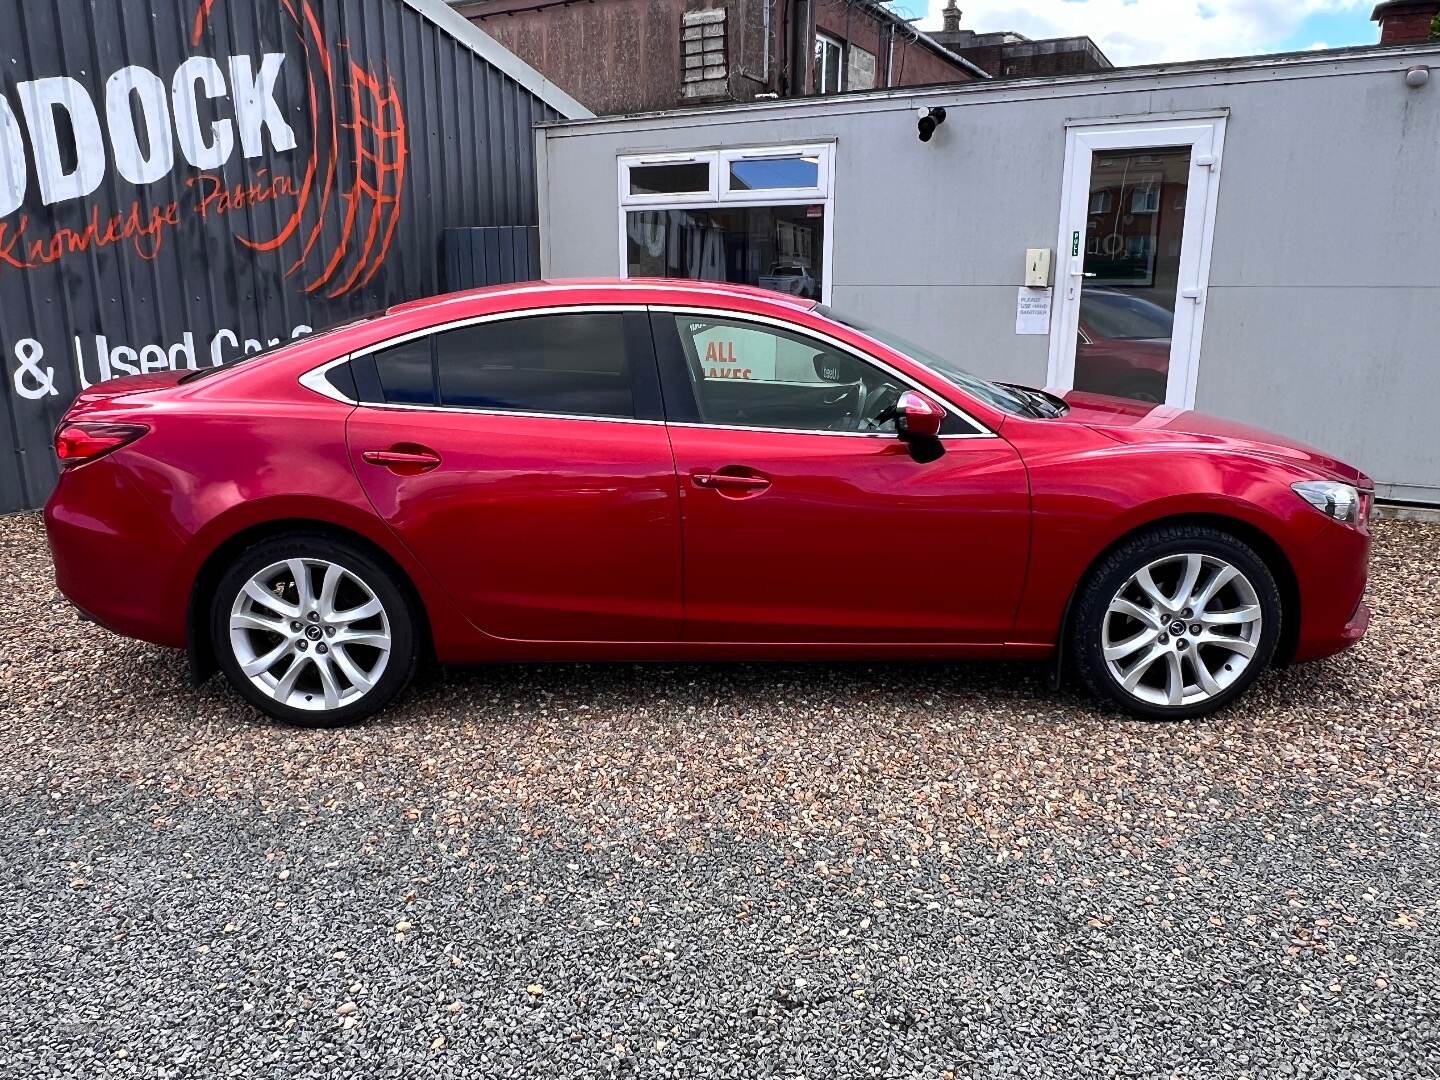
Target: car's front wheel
<point>1177,622</point>
<point>312,630</point>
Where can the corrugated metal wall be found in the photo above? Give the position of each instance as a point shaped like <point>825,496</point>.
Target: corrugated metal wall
<point>478,257</point>
<point>163,210</point>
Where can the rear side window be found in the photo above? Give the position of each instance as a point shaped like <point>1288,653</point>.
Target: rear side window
<point>405,373</point>
<point>575,363</point>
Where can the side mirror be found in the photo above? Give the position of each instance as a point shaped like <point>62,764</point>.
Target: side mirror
<point>917,417</point>
<point>917,423</point>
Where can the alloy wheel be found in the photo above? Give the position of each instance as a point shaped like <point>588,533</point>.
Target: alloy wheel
<point>1182,629</point>
<point>310,634</point>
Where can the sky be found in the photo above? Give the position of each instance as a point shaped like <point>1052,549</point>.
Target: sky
<point>1147,31</point>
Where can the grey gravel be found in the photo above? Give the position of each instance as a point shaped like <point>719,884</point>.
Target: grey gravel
<point>718,871</point>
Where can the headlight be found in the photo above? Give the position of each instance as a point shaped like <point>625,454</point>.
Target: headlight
<point>1343,502</point>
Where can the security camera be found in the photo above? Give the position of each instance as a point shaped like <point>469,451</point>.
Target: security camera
<point>930,119</point>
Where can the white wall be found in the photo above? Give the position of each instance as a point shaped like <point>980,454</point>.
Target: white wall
<point>1323,316</point>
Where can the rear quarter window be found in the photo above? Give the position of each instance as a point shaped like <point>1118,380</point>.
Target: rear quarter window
<point>406,373</point>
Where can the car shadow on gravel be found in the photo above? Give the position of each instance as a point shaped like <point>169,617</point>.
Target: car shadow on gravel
<point>448,694</point>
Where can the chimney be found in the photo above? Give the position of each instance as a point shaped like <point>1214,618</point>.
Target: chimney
<point>1407,22</point>
<point>952,16</point>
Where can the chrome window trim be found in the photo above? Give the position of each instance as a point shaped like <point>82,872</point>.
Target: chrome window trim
<point>888,435</point>
<point>981,430</point>
<point>445,410</point>
<point>494,316</point>
<point>315,380</point>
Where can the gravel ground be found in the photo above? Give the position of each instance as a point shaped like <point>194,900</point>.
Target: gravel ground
<point>728,871</point>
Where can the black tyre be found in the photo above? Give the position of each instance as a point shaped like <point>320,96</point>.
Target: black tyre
<point>1175,623</point>
<point>312,630</point>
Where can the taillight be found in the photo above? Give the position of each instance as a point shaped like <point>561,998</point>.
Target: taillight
<point>77,443</point>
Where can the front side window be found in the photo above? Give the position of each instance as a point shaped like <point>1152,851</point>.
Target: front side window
<point>750,375</point>
<point>994,394</point>
<point>574,364</point>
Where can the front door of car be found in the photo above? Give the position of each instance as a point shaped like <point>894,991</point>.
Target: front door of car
<point>807,520</point>
<point>524,463</point>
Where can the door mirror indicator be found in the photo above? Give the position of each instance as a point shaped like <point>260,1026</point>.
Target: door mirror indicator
<point>917,417</point>
<point>917,423</point>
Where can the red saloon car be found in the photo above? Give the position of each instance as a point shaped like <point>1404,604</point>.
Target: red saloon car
<point>651,470</point>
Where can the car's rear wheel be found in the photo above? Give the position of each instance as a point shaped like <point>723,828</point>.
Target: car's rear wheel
<point>1177,622</point>
<point>313,631</point>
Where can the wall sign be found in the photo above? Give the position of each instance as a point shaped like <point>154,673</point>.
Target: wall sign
<point>116,170</point>
<point>1032,311</point>
<point>183,184</point>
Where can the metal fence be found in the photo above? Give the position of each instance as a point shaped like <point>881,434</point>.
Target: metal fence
<point>183,181</point>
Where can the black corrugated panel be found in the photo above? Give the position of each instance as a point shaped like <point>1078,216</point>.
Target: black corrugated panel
<point>478,257</point>
<point>183,180</point>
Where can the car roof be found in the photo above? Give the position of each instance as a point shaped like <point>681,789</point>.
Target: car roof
<point>593,290</point>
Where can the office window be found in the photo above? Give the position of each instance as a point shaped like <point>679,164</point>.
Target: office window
<point>761,218</point>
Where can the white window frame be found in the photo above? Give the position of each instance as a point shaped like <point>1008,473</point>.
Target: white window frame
<point>826,39</point>
<point>643,160</point>
<point>720,195</point>
<point>1204,133</point>
<point>1149,195</point>
<point>771,196</point>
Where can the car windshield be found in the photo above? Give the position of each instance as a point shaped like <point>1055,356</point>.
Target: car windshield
<point>1122,317</point>
<point>991,393</point>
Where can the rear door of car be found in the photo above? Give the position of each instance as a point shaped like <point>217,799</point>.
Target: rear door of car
<point>805,523</point>
<point>524,460</point>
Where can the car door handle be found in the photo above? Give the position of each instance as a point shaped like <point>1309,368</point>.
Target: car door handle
<point>732,483</point>
<point>416,459</point>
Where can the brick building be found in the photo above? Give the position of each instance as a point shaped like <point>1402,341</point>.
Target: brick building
<point>625,56</point>
<point>1005,54</point>
<point>1407,22</point>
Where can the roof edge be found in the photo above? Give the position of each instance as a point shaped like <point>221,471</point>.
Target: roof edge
<point>1009,88</point>
<point>499,57</point>
<point>883,12</point>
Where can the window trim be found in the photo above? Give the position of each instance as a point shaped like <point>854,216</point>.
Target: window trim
<point>981,429</point>
<point>721,197</point>
<point>314,379</point>
<point>819,191</point>
<point>822,38</point>
<point>665,198</point>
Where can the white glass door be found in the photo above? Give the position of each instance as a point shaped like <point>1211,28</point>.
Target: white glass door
<point>1136,219</point>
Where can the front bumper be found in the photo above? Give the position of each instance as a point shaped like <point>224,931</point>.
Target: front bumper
<point>1332,571</point>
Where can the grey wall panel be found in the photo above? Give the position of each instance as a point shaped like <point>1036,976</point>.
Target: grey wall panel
<point>324,197</point>
<point>1352,370</point>
<point>976,327</point>
<point>1324,280</point>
